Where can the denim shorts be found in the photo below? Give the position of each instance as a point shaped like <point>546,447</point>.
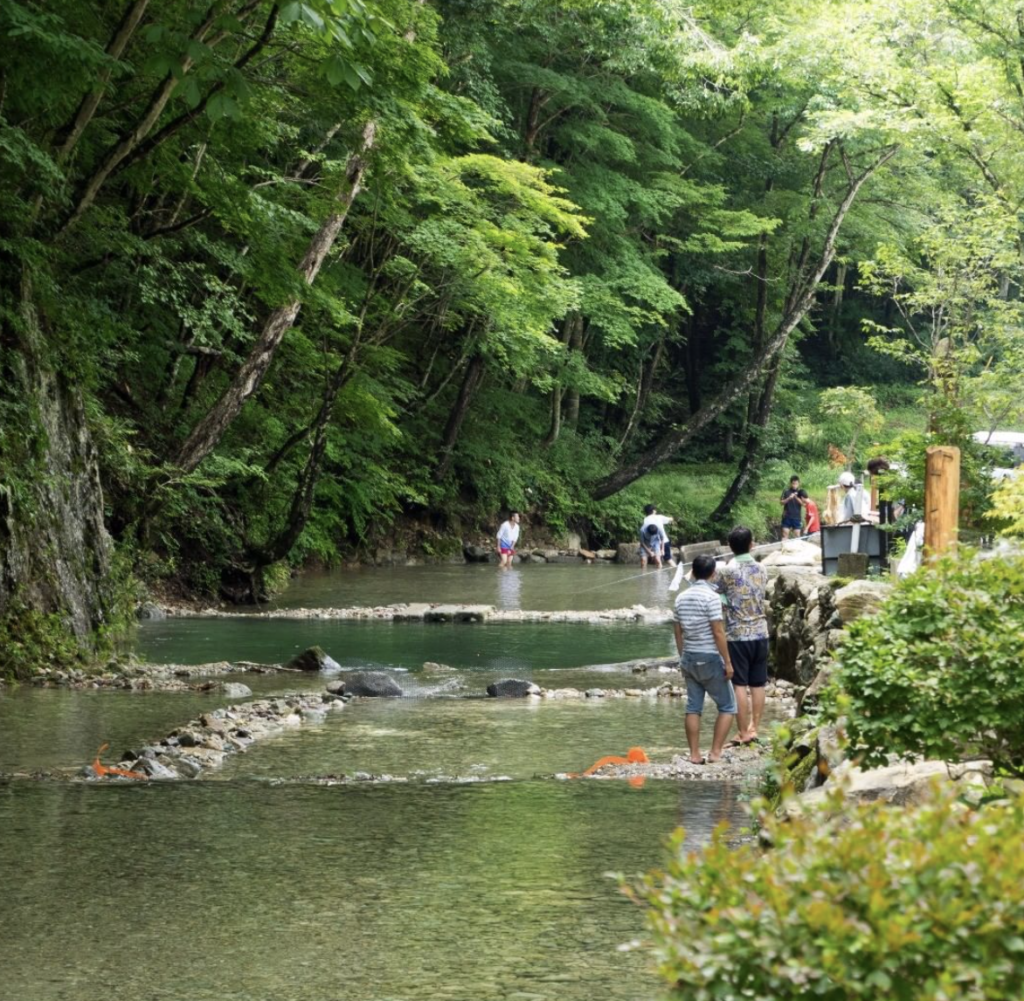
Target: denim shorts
<point>705,674</point>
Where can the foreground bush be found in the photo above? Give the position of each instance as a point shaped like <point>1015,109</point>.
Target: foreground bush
<point>889,904</point>
<point>937,672</point>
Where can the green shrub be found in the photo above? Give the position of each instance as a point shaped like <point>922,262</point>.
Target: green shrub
<point>937,672</point>
<point>875,903</point>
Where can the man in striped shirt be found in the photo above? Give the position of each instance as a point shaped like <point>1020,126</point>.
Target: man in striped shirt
<point>704,658</point>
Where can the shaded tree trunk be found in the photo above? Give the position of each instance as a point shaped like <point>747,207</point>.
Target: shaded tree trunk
<point>750,464</point>
<point>470,384</point>
<point>572,321</point>
<point>572,395</point>
<point>208,432</point>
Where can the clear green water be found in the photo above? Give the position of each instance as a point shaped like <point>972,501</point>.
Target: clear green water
<point>244,892</point>
<point>243,886</point>
<point>548,587</point>
<point>501,648</point>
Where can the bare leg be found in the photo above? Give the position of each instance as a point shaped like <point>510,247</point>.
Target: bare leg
<point>722,727</point>
<point>742,711</point>
<point>757,701</point>
<point>693,737</point>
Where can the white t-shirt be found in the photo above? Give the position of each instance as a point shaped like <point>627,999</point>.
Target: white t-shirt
<point>660,520</point>
<point>508,535</point>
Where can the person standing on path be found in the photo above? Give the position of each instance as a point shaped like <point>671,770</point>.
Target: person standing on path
<point>743,584</point>
<point>508,536</point>
<point>792,515</point>
<point>651,517</point>
<point>704,658</point>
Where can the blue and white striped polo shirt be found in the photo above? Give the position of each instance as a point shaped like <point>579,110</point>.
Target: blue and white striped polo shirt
<point>696,608</point>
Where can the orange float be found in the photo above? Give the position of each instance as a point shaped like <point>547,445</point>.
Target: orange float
<point>102,770</point>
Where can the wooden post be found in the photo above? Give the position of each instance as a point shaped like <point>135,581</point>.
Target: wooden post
<point>941,499</point>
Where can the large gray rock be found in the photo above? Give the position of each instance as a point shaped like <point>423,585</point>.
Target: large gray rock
<point>236,690</point>
<point>312,659</point>
<point>512,688</point>
<point>628,552</point>
<point>903,784</point>
<point>800,606</point>
<point>860,597</point>
<point>147,610</point>
<point>477,554</point>
<point>372,684</point>
<point>687,553</point>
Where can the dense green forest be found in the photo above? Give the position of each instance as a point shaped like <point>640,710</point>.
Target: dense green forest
<point>281,280</point>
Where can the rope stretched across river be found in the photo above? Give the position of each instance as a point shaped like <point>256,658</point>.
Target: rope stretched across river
<point>679,567</point>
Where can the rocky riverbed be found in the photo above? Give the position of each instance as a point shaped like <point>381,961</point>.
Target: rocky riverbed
<point>203,744</point>
<point>435,612</point>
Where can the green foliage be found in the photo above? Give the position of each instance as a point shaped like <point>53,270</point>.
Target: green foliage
<point>851,411</point>
<point>1008,507</point>
<point>937,671</point>
<point>560,234</point>
<point>865,901</point>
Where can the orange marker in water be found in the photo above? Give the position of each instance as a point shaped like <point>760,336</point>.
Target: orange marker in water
<point>101,769</point>
<point>634,756</point>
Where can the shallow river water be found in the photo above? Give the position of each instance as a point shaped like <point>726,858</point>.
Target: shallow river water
<point>473,874</point>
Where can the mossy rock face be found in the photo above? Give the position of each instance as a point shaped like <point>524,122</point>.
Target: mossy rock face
<point>800,773</point>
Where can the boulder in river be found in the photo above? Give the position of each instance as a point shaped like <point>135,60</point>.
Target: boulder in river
<point>476,554</point>
<point>512,688</point>
<point>147,610</point>
<point>236,690</point>
<point>335,687</point>
<point>313,659</point>
<point>372,684</point>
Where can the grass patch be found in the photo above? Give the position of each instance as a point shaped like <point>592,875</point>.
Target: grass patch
<point>690,493</point>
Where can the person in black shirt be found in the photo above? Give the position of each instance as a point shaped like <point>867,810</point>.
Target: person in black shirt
<point>792,502</point>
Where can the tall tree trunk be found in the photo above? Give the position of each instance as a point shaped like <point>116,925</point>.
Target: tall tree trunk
<point>799,303</point>
<point>750,464</point>
<point>208,432</point>
<point>572,395</point>
<point>557,392</point>
<point>643,391</point>
<point>470,384</point>
<point>760,404</point>
<point>128,141</point>
<point>73,131</point>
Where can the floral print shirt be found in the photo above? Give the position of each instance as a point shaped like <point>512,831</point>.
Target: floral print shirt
<point>742,584</point>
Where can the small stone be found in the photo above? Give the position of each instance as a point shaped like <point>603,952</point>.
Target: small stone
<point>595,693</point>
<point>336,687</point>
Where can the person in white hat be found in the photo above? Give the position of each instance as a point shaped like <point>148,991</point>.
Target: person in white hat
<point>853,504</point>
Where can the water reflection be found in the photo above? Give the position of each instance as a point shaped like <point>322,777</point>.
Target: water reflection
<point>510,586</point>
<point>242,891</point>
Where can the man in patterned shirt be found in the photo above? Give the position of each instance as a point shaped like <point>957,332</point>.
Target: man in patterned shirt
<point>704,658</point>
<point>743,583</point>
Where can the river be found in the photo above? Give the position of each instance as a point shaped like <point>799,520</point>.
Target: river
<point>473,874</point>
